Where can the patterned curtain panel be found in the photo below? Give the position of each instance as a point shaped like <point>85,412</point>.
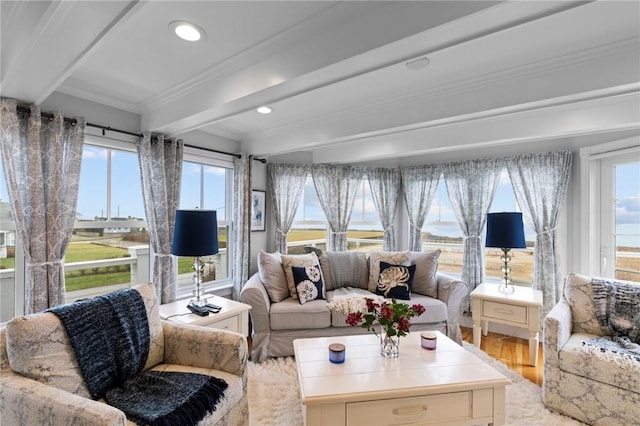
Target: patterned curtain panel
<point>336,186</point>
<point>471,186</point>
<point>41,160</point>
<point>160,172</point>
<point>540,184</point>
<point>286,183</point>
<point>242,186</point>
<point>419,185</point>
<point>385,190</point>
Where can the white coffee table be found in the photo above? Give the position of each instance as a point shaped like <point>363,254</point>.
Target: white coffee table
<point>448,386</point>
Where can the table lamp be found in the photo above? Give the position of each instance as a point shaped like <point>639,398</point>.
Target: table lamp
<point>196,234</point>
<point>505,231</point>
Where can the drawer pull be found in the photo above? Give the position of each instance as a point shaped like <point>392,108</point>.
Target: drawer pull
<point>504,311</point>
<point>410,411</point>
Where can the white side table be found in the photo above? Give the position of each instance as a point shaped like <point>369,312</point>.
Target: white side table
<point>234,316</point>
<point>521,308</point>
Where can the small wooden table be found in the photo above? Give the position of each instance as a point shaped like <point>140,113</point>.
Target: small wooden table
<point>446,386</point>
<point>234,316</point>
<point>521,308</point>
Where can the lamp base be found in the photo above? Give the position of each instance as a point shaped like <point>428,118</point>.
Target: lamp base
<point>198,291</point>
<point>506,288</point>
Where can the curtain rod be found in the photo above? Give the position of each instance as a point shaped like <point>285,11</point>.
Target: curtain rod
<point>73,122</point>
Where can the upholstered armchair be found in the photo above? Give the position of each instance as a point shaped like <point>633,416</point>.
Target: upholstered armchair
<point>589,373</point>
<point>41,383</point>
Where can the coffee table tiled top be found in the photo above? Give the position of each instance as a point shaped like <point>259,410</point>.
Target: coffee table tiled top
<point>417,372</point>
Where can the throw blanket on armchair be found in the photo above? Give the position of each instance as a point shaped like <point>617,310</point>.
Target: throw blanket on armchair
<point>110,338</point>
<point>616,306</point>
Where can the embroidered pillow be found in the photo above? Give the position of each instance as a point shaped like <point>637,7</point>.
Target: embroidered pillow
<point>395,281</point>
<point>291,260</point>
<point>392,257</point>
<point>308,281</point>
<point>425,281</point>
<point>272,276</point>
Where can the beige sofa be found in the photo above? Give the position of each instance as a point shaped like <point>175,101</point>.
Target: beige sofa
<point>41,383</point>
<point>588,375</point>
<point>278,317</point>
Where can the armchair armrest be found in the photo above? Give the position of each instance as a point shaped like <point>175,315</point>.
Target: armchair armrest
<point>204,347</point>
<point>29,402</point>
<point>452,292</point>
<point>557,326</point>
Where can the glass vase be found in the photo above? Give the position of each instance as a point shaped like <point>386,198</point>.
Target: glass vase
<point>389,346</point>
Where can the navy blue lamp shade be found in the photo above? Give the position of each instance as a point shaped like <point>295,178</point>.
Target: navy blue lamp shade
<point>505,230</point>
<point>195,233</point>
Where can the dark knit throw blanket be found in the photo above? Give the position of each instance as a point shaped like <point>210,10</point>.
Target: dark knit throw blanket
<point>144,398</point>
<point>617,306</point>
<point>110,337</point>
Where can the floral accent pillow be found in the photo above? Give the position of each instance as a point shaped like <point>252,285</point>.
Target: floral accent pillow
<point>392,257</point>
<point>395,281</point>
<point>308,281</point>
<point>296,260</point>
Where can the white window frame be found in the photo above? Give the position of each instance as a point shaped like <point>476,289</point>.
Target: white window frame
<point>590,244</point>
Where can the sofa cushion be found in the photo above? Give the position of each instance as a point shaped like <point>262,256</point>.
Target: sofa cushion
<point>392,257</point>
<point>395,281</point>
<point>291,315</point>
<point>291,260</point>
<point>272,275</point>
<point>345,269</point>
<point>578,357</point>
<point>308,281</point>
<point>435,310</point>
<point>424,280</point>
<point>38,346</point>
<point>579,294</point>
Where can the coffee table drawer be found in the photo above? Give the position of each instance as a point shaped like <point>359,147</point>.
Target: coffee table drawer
<point>431,409</point>
<point>504,311</point>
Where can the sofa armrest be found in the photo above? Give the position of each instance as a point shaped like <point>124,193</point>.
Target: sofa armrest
<point>204,347</point>
<point>557,326</point>
<point>255,294</point>
<point>452,292</point>
<point>29,402</point>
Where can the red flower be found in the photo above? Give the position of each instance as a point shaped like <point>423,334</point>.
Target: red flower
<point>371,305</point>
<point>403,324</point>
<point>386,311</point>
<point>354,318</point>
<point>418,308</point>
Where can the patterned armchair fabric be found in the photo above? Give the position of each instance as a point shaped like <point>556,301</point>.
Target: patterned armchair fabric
<point>582,378</point>
<point>40,381</point>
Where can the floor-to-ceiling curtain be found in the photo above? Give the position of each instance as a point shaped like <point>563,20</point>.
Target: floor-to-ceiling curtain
<point>419,185</point>
<point>540,184</point>
<point>337,186</point>
<point>286,183</point>
<point>41,158</point>
<point>242,187</point>
<point>385,191</point>
<point>471,186</point>
<point>160,173</point>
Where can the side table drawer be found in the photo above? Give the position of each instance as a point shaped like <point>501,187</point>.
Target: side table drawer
<point>230,324</point>
<point>432,409</point>
<point>504,311</point>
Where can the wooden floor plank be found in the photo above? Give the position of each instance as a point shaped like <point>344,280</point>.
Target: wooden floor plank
<point>513,351</point>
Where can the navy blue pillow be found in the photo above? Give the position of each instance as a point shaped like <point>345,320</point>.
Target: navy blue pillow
<point>395,281</point>
<point>308,282</point>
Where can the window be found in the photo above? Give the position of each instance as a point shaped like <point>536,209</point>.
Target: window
<point>309,228</point>
<point>441,230</point>
<point>109,248</point>
<point>7,254</point>
<point>521,263</point>
<point>206,185</point>
<point>365,231</point>
<point>620,217</point>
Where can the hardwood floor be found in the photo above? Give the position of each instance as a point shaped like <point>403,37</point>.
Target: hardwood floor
<point>513,351</point>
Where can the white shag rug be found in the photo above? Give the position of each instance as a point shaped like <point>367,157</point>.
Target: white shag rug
<point>274,400</point>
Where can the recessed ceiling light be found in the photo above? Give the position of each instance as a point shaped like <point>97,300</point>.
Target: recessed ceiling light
<point>418,64</point>
<point>187,30</point>
<point>264,110</point>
